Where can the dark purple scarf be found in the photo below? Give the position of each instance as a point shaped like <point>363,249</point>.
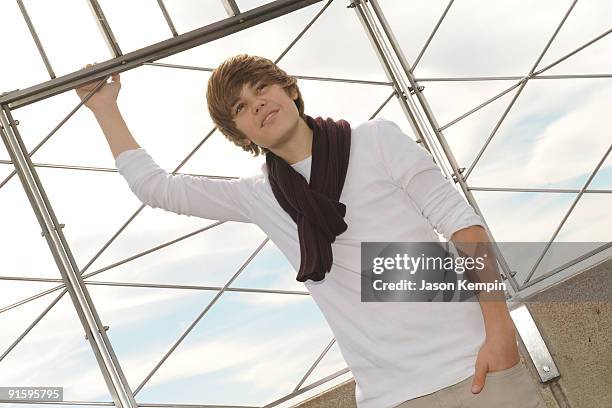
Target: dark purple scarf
<point>314,206</point>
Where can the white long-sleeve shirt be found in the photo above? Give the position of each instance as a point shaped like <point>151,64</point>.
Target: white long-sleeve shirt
<point>394,192</point>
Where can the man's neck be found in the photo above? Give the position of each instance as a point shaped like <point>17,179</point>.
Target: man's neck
<point>299,147</point>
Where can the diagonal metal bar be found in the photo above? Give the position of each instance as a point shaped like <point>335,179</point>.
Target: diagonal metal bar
<point>304,389</point>
<point>201,315</point>
<point>301,33</point>
<point>511,78</point>
<point>164,11</point>
<point>105,29</point>
<point>310,78</point>
<point>160,286</point>
<point>111,170</point>
<point>566,265</point>
<point>567,214</point>
<point>382,105</point>
<point>538,190</point>
<point>317,361</point>
<point>482,105</point>
<point>431,36</point>
<point>231,8</point>
<point>39,46</point>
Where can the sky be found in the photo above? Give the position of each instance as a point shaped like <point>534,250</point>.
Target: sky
<point>249,349</point>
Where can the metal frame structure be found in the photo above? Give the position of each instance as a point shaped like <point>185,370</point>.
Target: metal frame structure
<point>405,87</point>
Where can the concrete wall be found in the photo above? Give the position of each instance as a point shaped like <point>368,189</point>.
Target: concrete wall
<point>577,333</point>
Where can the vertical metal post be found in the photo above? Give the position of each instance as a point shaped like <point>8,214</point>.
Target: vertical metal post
<point>83,304</point>
<point>386,56</point>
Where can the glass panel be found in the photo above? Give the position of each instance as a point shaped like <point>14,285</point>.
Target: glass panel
<point>188,15</point>
<point>594,59</point>
<point>467,136</point>
<point>348,54</point>
<point>523,217</point>
<point>553,137</point>
<point>249,349</point>
<point>423,18</point>
<point>268,40</point>
<point>245,5</point>
<point>516,34</point>
<point>144,323</point>
<point>589,221</point>
<point>451,99</point>
<point>24,251</point>
<point>21,65</point>
<point>331,363</point>
<point>588,20</point>
<point>150,28</point>
<point>208,258</point>
<point>79,142</point>
<point>16,291</point>
<point>15,320</point>
<point>603,178</point>
<point>68,32</point>
<point>67,361</point>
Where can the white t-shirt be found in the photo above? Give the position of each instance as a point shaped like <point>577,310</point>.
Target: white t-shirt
<point>394,192</point>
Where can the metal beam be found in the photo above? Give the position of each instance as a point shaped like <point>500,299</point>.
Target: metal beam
<point>105,29</point>
<point>83,304</point>
<point>39,46</point>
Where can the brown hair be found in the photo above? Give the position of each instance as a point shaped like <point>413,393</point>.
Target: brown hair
<point>225,84</point>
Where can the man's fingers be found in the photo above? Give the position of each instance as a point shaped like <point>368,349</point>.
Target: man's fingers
<point>479,378</point>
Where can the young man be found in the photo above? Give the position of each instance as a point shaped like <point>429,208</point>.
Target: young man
<point>326,187</point>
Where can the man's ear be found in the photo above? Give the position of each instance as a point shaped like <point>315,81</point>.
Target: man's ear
<point>294,93</point>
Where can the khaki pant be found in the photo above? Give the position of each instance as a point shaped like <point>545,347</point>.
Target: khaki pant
<point>510,388</point>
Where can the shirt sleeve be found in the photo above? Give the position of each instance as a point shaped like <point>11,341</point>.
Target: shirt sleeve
<point>215,199</point>
<point>412,168</point>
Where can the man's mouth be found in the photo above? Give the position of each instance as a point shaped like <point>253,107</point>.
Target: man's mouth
<point>270,116</point>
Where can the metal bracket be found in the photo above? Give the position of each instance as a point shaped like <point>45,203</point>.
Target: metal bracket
<point>43,233</point>
<point>461,170</point>
<point>105,329</point>
<point>16,123</point>
<point>532,339</point>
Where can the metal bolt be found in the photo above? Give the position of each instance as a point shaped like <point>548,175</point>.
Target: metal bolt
<point>546,368</point>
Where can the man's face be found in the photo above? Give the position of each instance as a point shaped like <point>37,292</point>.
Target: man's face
<point>253,107</point>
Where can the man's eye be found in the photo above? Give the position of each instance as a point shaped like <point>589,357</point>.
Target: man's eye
<point>261,86</point>
<point>238,108</point>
